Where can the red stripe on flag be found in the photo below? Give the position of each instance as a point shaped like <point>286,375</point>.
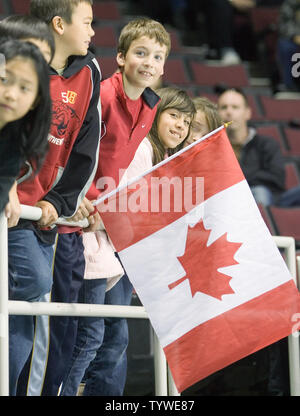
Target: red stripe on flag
<point>233,335</point>
<point>205,160</point>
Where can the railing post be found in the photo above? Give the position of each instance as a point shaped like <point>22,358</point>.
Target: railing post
<point>172,389</point>
<point>293,339</point>
<point>288,243</point>
<point>4,344</point>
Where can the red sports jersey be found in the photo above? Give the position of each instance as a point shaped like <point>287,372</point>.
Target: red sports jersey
<point>71,161</point>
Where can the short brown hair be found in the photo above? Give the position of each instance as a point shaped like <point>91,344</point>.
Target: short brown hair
<point>46,10</point>
<point>238,91</point>
<point>143,27</point>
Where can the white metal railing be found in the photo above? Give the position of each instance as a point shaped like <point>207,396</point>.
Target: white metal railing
<point>3,307</point>
<point>288,244</point>
<point>164,383</point>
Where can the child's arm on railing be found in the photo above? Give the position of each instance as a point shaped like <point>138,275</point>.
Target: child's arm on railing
<point>13,207</point>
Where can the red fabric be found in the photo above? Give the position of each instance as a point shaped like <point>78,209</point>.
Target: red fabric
<point>67,120</point>
<point>192,163</point>
<point>125,124</point>
<point>213,283</point>
<point>238,332</point>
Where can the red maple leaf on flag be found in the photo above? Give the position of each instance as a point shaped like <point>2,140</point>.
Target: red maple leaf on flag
<point>201,262</point>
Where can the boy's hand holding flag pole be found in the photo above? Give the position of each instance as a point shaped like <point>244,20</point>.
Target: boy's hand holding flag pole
<point>202,261</point>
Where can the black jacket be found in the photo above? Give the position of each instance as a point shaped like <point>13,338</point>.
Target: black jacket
<point>10,162</point>
<point>262,163</point>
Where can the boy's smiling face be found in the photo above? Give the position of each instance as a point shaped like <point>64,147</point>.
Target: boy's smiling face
<point>143,63</point>
<point>79,32</point>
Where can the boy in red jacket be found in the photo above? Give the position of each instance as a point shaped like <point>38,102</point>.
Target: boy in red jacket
<point>128,110</point>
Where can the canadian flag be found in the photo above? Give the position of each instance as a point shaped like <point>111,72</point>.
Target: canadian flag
<point>206,268</point>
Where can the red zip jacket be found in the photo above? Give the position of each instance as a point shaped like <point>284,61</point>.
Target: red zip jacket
<point>125,124</point>
<point>70,165</point>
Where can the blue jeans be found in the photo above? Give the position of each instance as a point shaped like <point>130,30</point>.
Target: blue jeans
<point>101,343</point>
<point>262,195</point>
<point>290,198</point>
<point>30,277</point>
<point>55,335</point>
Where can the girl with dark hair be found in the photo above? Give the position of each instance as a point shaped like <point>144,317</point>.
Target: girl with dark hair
<point>25,111</point>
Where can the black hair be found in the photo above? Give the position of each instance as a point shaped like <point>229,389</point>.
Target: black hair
<point>30,133</point>
<point>24,27</point>
<point>48,9</point>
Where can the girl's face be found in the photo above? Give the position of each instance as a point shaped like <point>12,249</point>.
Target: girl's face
<point>18,90</point>
<point>199,128</point>
<point>173,127</point>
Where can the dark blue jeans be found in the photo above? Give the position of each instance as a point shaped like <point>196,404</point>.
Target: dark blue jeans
<point>30,277</point>
<point>262,194</point>
<point>290,198</point>
<point>100,349</point>
<point>67,280</point>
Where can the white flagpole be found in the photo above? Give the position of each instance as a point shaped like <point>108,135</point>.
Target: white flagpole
<point>163,162</point>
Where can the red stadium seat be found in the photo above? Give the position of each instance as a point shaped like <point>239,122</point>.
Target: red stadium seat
<point>287,221</point>
<point>264,22</point>
<point>293,140</point>
<point>20,7</point>
<point>108,65</point>
<point>273,132</point>
<point>105,36</point>
<point>175,72</point>
<point>175,41</point>
<point>266,218</point>
<point>255,112</point>
<point>209,75</point>
<point>106,10</point>
<point>263,18</point>
<point>291,175</point>
<point>280,110</point>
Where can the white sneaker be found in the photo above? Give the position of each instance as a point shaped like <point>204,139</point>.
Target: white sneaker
<point>230,57</point>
